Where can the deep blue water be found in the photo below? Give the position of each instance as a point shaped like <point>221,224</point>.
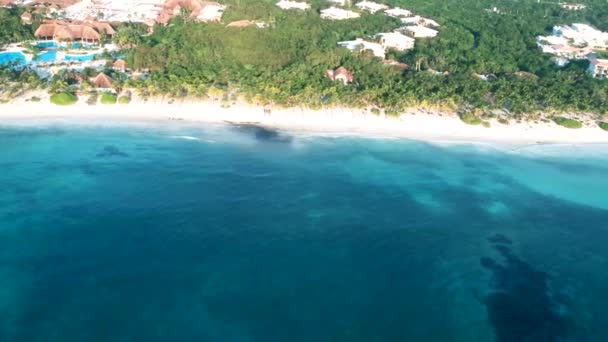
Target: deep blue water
<point>185,233</point>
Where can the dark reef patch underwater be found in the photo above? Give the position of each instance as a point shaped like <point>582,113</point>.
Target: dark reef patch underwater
<point>244,233</point>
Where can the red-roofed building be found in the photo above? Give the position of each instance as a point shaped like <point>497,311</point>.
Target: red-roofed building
<point>598,67</point>
<point>341,74</point>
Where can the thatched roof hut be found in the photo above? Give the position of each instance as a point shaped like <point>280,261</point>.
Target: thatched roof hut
<point>60,30</point>
<point>120,65</point>
<point>103,81</point>
<point>341,74</point>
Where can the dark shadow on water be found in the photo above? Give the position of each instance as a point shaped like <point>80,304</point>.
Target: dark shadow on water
<point>499,238</point>
<point>520,306</point>
<point>111,151</point>
<point>261,133</point>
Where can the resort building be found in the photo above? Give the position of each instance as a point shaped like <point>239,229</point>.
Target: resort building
<point>420,21</point>
<point>598,67</point>
<point>88,31</point>
<point>361,45</point>
<point>6,3</point>
<point>334,13</point>
<point>566,51</point>
<point>420,31</point>
<point>396,41</point>
<point>573,6</point>
<point>398,12</point>
<point>26,18</point>
<point>59,4</point>
<point>583,35</point>
<point>201,10</point>
<point>287,5</point>
<point>370,6</point>
<point>103,82</point>
<point>339,2</point>
<point>114,10</point>
<point>341,75</point>
<point>573,42</point>
<point>119,65</point>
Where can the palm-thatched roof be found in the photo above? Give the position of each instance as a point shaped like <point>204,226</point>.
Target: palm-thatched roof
<point>119,64</point>
<point>62,30</point>
<point>103,81</point>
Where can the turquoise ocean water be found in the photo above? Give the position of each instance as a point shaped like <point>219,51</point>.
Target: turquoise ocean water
<point>223,233</point>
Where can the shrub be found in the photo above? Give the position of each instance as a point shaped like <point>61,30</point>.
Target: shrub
<point>124,100</point>
<point>35,99</point>
<point>64,99</point>
<point>108,98</point>
<point>503,121</point>
<point>470,119</point>
<point>92,100</point>
<point>568,123</point>
<point>603,125</point>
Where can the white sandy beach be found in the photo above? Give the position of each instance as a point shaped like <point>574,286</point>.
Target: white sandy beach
<point>414,124</point>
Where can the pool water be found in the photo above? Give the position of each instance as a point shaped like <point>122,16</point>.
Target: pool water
<point>50,56</point>
<point>11,57</point>
<point>52,44</point>
<point>47,56</point>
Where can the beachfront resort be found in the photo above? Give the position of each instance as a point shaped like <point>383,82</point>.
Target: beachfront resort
<point>575,42</point>
<point>77,35</point>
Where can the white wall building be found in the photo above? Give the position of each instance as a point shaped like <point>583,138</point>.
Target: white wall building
<point>573,6</point>
<point>115,10</point>
<point>287,4</point>
<point>370,6</point>
<point>360,44</point>
<point>582,34</point>
<point>211,12</point>
<point>398,12</point>
<point>334,13</point>
<point>420,31</point>
<point>396,40</point>
<point>598,67</point>
<point>418,20</point>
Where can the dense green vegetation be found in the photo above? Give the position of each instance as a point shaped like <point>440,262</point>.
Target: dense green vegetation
<point>284,64</point>
<point>12,30</point>
<point>603,125</point>
<point>14,83</point>
<point>568,123</point>
<point>108,98</point>
<point>64,99</point>
<point>470,118</point>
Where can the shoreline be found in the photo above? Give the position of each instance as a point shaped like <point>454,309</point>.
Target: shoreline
<point>414,124</point>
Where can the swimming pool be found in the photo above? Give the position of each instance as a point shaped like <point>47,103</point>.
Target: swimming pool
<point>48,56</point>
<point>11,57</point>
<point>49,44</point>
